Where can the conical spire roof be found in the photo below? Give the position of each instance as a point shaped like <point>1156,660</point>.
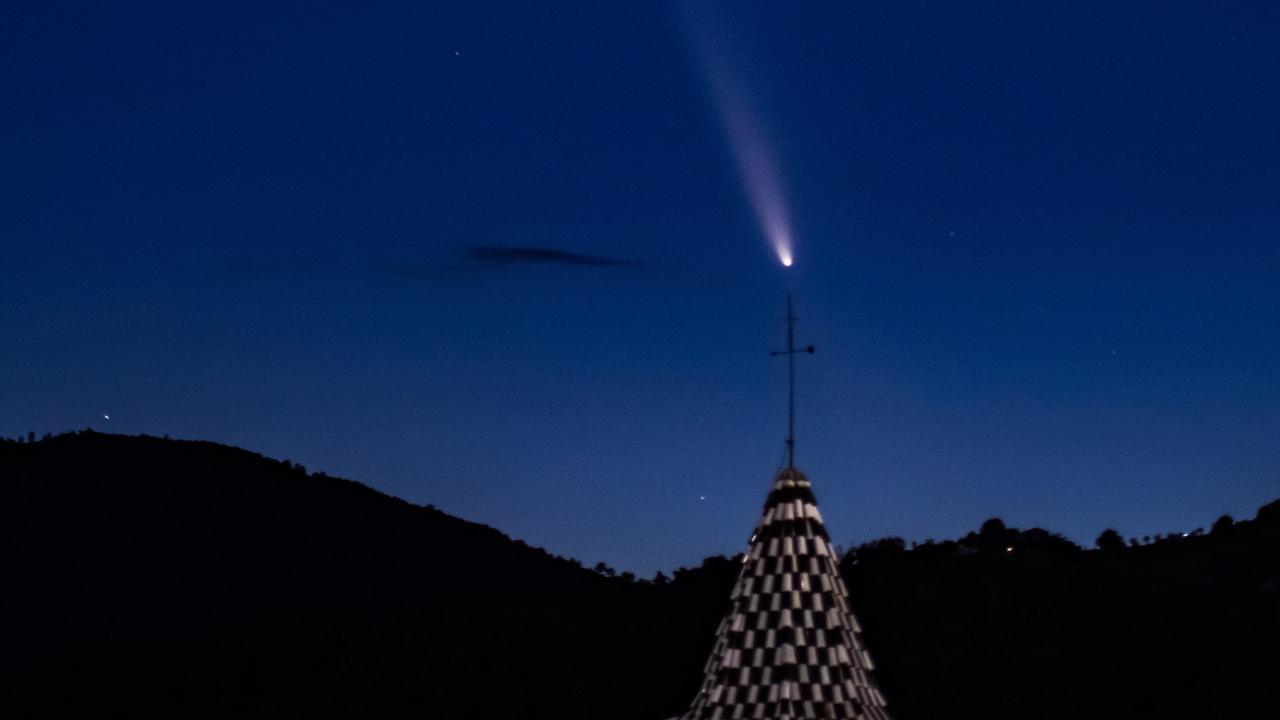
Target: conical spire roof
<point>789,647</point>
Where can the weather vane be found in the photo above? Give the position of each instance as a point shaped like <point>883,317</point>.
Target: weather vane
<point>790,352</point>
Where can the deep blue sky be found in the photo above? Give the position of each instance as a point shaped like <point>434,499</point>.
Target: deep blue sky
<point>1036,249</point>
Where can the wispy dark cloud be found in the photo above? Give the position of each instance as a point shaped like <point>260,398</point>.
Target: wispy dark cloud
<point>482,258</point>
<point>501,255</point>
<point>471,258</point>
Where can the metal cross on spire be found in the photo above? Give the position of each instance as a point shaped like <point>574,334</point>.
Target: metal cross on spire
<point>790,352</point>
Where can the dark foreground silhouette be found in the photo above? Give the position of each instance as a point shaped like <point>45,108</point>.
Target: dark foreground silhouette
<point>158,578</point>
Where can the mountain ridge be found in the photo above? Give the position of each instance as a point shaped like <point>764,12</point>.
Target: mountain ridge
<point>140,547</point>
<point>165,578</point>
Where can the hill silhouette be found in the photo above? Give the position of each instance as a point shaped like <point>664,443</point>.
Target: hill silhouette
<point>162,578</point>
<point>1009,623</point>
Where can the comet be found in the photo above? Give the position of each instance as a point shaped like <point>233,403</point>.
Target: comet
<point>756,157</point>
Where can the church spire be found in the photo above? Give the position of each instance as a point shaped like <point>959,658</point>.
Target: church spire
<point>790,647</point>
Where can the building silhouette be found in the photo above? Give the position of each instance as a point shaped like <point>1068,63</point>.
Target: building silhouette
<point>789,647</point>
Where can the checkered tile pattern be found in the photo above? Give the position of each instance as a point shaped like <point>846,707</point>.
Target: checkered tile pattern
<point>789,647</point>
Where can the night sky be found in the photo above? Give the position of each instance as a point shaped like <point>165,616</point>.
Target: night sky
<point>1035,245</point>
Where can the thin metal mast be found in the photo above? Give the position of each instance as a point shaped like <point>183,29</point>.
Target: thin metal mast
<point>790,352</point>
<point>791,390</point>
